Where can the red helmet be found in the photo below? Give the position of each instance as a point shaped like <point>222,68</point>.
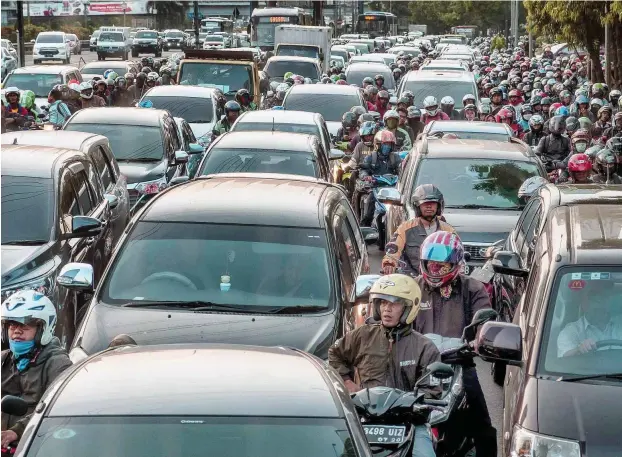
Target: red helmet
<point>515,93</point>
<point>504,114</point>
<point>486,58</point>
<point>384,136</point>
<point>579,162</point>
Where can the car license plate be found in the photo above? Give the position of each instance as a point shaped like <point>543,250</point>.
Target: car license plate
<point>466,269</point>
<point>384,434</point>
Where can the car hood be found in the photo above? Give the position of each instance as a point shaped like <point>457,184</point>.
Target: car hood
<point>41,101</point>
<point>142,171</point>
<point>310,333</point>
<point>333,127</point>
<point>19,263</point>
<point>582,411</point>
<point>482,226</point>
<point>203,131</point>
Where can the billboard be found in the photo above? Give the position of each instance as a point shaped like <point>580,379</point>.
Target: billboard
<point>93,8</point>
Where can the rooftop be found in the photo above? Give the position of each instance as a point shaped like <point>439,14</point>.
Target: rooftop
<point>45,69</point>
<point>33,161</point>
<point>323,89</point>
<point>278,116</point>
<point>59,138</point>
<point>445,75</point>
<point>489,149</point>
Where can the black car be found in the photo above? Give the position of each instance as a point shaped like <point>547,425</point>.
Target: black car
<point>565,394</point>
<point>147,42</point>
<point>479,180</point>
<point>130,401</point>
<point>54,211</point>
<point>234,258</point>
<point>268,152</point>
<point>145,143</point>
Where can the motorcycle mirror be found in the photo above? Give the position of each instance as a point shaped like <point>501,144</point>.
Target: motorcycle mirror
<point>480,317</point>
<point>14,406</point>
<point>440,370</point>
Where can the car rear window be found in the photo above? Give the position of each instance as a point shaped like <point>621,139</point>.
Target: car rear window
<point>276,127</point>
<point>276,69</point>
<point>439,89</point>
<point>330,106</point>
<point>224,160</point>
<point>51,38</point>
<point>195,110</point>
<point>146,35</point>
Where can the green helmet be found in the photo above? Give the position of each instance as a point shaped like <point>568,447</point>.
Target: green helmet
<point>289,74</point>
<point>585,123</point>
<point>27,99</point>
<point>112,75</point>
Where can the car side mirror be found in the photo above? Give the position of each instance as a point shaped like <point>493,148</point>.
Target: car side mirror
<point>181,157</point>
<point>113,200</point>
<point>370,235</point>
<point>76,276</point>
<point>195,148</point>
<point>500,342</point>
<point>179,180</point>
<point>82,227</point>
<point>508,263</point>
<point>363,286</point>
<point>15,406</point>
<point>390,196</point>
<point>481,316</point>
<point>336,154</point>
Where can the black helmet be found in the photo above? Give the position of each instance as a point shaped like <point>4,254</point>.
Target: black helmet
<point>146,70</point>
<point>349,120</point>
<point>242,93</point>
<point>428,193</point>
<point>557,125</point>
<point>232,105</point>
<point>605,162</point>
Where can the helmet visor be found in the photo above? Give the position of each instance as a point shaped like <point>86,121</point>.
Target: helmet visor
<point>390,298</point>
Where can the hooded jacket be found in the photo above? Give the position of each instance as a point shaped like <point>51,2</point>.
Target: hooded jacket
<point>31,383</point>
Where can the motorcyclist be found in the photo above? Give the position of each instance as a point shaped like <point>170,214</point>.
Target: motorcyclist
<point>496,100</point>
<point>138,89</point>
<point>13,107</point>
<point>388,353</point>
<point>367,81</point>
<point>34,359</point>
<point>605,166</point>
<point>580,169</point>
<point>152,80</point>
<point>27,100</point>
<point>469,113</point>
<point>616,129</point>
<point>367,132</point>
<point>506,116</point>
<point>379,82</point>
<point>572,125</point>
<point>414,120</point>
<point>121,96</point>
<point>404,247</point>
<point>382,103</point>
<point>554,147</point>
<point>583,108</point>
<point>447,107</point>
<point>403,112</point>
<point>523,117</point>
<point>348,127</point>
<point>449,301</point>
<point>243,97</point>
<point>232,111</point>
<point>604,118</point>
<point>431,111</point>
<point>101,90</point>
<point>391,121</point>
<point>88,97</point>
<point>58,110</point>
<point>580,141</point>
<point>370,95</point>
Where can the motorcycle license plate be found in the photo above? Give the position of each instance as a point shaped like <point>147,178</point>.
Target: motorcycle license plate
<point>384,434</point>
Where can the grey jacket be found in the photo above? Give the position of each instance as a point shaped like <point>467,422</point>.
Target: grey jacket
<point>31,383</point>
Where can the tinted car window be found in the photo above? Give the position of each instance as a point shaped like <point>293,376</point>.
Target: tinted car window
<point>440,89</point>
<point>265,266</point>
<point>40,84</point>
<point>223,160</point>
<point>27,209</point>
<point>264,126</point>
<point>95,68</point>
<point>49,38</point>
<point>85,198</point>
<point>278,68</point>
<point>228,78</point>
<point>103,167</point>
<point>330,106</point>
<point>356,76</point>
<point>476,183</point>
<point>128,142</point>
<point>194,110</point>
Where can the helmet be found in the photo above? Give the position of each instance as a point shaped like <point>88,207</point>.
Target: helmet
<point>383,94</point>
<point>232,105</point>
<point>466,98</point>
<point>428,193</point>
<point>384,136</point>
<point>371,91</point>
<point>391,114</point>
<point>365,117</point>
<point>11,90</point>
<point>86,91</point>
<point>605,162</point>
<point>242,93</point>
<point>341,82</point>
<point>413,112</point>
<point>579,163</point>
<point>367,80</point>
<point>531,186</point>
<point>30,307</point>
<point>585,123</point>
<point>441,246</point>
<point>557,125</point>
<point>121,82</point>
<point>368,128</point>
<point>615,145</point>
<point>400,289</point>
<point>348,120</point>
<point>280,91</point>
<point>152,76</point>
<point>447,104</point>
<point>110,81</point>
<point>572,124</point>
<point>504,114</point>
<point>107,73</point>
<point>593,151</point>
<point>379,77</point>
<point>605,109</point>
<point>129,77</point>
<point>430,105</point>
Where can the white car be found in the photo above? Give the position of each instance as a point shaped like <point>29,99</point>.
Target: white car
<point>51,46</point>
<point>9,63</point>
<point>6,44</point>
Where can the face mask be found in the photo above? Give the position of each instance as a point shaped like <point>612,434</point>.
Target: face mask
<point>20,348</point>
<point>580,147</point>
<point>385,149</point>
<point>391,123</point>
<point>527,116</point>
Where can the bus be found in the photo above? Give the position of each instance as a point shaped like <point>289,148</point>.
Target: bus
<point>264,21</point>
<point>377,24</point>
<point>216,24</point>
<point>469,31</point>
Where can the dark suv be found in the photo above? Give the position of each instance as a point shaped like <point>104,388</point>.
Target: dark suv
<point>566,392</point>
<point>147,42</point>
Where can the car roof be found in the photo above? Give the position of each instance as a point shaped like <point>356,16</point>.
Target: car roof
<point>275,141</point>
<point>33,161</point>
<point>291,59</point>
<point>570,194</point>
<point>46,69</point>
<point>108,64</point>
<point>248,198</point>
<point>452,148</point>
<point>125,381</point>
<point>466,126</point>
<point>58,138</point>
<point>335,89</point>
<point>118,116</point>
<point>279,116</point>
<point>371,66</point>
<point>179,90</point>
<point>445,75</point>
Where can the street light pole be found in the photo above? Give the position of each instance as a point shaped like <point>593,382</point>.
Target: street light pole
<point>124,4</point>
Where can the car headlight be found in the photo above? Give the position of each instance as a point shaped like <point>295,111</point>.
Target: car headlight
<point>152,187</point>
<point>530,444</point>
<point>44,285</point>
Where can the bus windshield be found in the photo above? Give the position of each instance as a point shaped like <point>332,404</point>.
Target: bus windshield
<point>262,26</point>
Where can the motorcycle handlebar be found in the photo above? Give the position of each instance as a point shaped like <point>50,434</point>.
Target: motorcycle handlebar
<point>433,402</point>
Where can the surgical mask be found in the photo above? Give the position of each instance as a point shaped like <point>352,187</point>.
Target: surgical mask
<point>580,147</point>
<point>392,123</point>
<point>385,149</point>
<point>527,116</point>
<point>19,349</point>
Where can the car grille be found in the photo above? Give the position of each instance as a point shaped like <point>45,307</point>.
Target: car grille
<point>134,196</point>
<point>474,251</point>
<point>48,51</point>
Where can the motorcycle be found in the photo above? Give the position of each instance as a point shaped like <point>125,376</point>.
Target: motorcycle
<point>14,406</point>
<point>380,212</point>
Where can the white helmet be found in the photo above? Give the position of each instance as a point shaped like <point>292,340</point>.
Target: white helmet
<point>447,101</point>
<point>468,97</point>
<point>391,114</point>
<point>430,105</point>
<point>29,307</point>
<point>88,87</point>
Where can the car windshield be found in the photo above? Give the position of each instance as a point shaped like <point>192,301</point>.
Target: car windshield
<point>128,142</point>
<point>356,75</point>
<point>472,135</point>
<point>175,35</point>
<point>218,38</point>
<point>196,436</point>
<point>585,305</point>
<point>277,127</point>
<point>439,89</point>
<point>223,160</point>
<point>476,182</point>
<point>341,53</point>
<point>27,209</point>
<point>110,37</point>
<point>330,106</point>
<point>95,68</point>
<point>50,38</point>
<point>194,110</point>
<point>298,51</point>
<point>226,77</point>
<point>153,35</point>
<point>265,33</point>
<point>40,83</point>
<point>276,69</point>
<point>264,266</point>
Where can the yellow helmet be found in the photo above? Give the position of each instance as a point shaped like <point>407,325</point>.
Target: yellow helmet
<point>397,288</point>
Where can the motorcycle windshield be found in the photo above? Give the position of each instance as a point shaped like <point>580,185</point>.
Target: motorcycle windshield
<point>444,343</point>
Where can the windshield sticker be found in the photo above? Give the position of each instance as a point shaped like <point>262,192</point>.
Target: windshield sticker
<point>576,284</point>
<point>64,434</point>
<point>592,276</point>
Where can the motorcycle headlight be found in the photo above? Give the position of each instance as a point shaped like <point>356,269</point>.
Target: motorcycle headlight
<point>44,285</point>
<point>530,444</point>
<point>152,187</point>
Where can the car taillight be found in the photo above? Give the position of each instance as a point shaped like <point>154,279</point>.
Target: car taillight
<point>154,188</point>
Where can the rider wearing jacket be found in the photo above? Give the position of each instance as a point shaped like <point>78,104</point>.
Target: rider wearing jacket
<point>405,245</point>
<point>232,111</point>
<point>34,358</point>
<point>388,353</point>
<point>392,121</point>
<point>535,133</point>
<point>431,111</point>
<point>605,166</point>
<point>554,148</point>
<point>89,99</point>
<point>448,302</point>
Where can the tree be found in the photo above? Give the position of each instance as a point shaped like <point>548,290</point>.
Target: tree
<point>440,16</point>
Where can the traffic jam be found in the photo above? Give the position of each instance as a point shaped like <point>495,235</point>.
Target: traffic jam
<point>279,241</point>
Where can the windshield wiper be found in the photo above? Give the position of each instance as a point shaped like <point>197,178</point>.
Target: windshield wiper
<point>192,305</point>
<point>139,159</point>
<point>295,309</point>
<point>590,376</point>
<point>24,242</point>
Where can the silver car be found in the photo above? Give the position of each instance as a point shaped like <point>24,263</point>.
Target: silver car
<point>9,63</point>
